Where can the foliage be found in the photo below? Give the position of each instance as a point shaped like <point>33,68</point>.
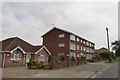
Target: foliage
<point>116,47</point>
<point>82,57</point>
<point>72,58</point>
<point>60,58</point>
<point>47,66</point>
<point>32,64</point>
<point>105,55</point>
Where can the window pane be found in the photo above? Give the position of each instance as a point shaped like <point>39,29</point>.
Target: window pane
<point>61,35</point>
<point>72,37</point>
<point>61,45</point>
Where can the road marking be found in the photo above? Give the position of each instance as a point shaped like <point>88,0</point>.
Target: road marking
<point>94,76</point>
<point>100,72</point>
<point>87,76</point>
<point>107,67</point>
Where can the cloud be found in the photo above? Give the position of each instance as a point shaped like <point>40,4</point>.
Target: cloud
<point>88,19</point>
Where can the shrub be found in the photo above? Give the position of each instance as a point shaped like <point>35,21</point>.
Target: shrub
<point>82,58</point>
<point>47,66</point>
<point>72,58</point>
<point>31,64</point>
<point>60,58</point>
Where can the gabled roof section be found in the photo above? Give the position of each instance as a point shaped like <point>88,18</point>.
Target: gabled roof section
<point>65,32</point>
<point>11,43</point>
<point>36,48</point>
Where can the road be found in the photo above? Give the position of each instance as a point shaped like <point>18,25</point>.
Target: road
<point>88,70</point>
<point>107,72</point>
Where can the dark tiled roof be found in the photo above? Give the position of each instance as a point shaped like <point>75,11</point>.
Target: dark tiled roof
<point>36,48</point>
<point>11,43</point>
<point>66,32</point>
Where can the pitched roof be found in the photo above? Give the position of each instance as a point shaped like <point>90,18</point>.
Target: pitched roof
<point>11,43</point>
<point>36,48</point>
<point>65,32</point>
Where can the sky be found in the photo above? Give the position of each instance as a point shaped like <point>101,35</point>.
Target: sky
<point>30,20</point>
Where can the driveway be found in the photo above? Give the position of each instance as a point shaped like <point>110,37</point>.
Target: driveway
<point>80,71</point>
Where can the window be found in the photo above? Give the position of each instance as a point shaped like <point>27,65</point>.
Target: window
<point>72,37</point>
<point>72,55</point>
<point>78,47</point>
<point>61,45</point>
<point>41,57</point>
<point>84,48</point>
<point>61,35</point>
<point>72,46</point>
<point>16,55</point>
<point>78,39</point>
<point>81,48</point>
<point>81,40</point>
<point>60,53</point>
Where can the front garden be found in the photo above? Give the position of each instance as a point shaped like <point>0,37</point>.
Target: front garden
<point>33,64</point>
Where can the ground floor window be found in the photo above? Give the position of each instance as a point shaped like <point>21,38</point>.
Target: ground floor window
<point>41,57</point>
<point>72,56</point>
<point>16,55</point>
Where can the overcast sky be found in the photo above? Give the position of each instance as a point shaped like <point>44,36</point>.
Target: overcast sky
<point>30,20</point>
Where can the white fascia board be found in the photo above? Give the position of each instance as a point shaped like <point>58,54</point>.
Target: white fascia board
<point>45,49</point>
<point>18,47</point>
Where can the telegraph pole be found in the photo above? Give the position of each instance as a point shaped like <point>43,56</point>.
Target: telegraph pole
<point>108,38</point>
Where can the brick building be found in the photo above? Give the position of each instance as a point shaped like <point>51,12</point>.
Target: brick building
<point>62,42</point>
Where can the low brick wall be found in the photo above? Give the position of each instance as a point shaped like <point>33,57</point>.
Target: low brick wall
<point>57,65</point>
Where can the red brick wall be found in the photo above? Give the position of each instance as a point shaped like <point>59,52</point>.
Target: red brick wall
<point>10,63</point>
<point>51,41</point>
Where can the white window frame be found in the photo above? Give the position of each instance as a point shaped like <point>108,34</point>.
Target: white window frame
<point>41,57</point>
<point>78,47</point>
<point>72,46</point>
<point>72,54</point>
<point>61,35</point>
<point>78,39</point>
<point>72,37</point>
<point>14,54</point>
<point>61,45</point>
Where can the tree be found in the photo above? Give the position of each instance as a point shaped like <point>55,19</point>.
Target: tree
<point>105,55</point>
<point>116,47</point>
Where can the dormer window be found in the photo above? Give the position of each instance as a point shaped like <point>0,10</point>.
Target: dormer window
<point>61,35</point>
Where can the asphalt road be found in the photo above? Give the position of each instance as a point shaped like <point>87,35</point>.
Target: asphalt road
<point>107,72</point>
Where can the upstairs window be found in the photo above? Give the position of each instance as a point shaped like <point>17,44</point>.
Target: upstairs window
<point>78,47</point>
<point>72,37</point>
<point>61,45</point>
<point>61,35</point>
<point>78,39</point>
<point>72,46</point>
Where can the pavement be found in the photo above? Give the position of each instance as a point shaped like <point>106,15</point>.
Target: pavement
<point>81,71</point>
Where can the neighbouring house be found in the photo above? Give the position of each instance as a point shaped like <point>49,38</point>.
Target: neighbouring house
<point>17,52</point>
<point>62,42</point>
<point>103,49</point>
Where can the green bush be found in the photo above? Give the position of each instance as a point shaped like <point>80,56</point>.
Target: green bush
<point>72,58</point>
<point>60,58</point>
<point>82,58</point>
<point>32,64</point>
<point>47,66</point>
